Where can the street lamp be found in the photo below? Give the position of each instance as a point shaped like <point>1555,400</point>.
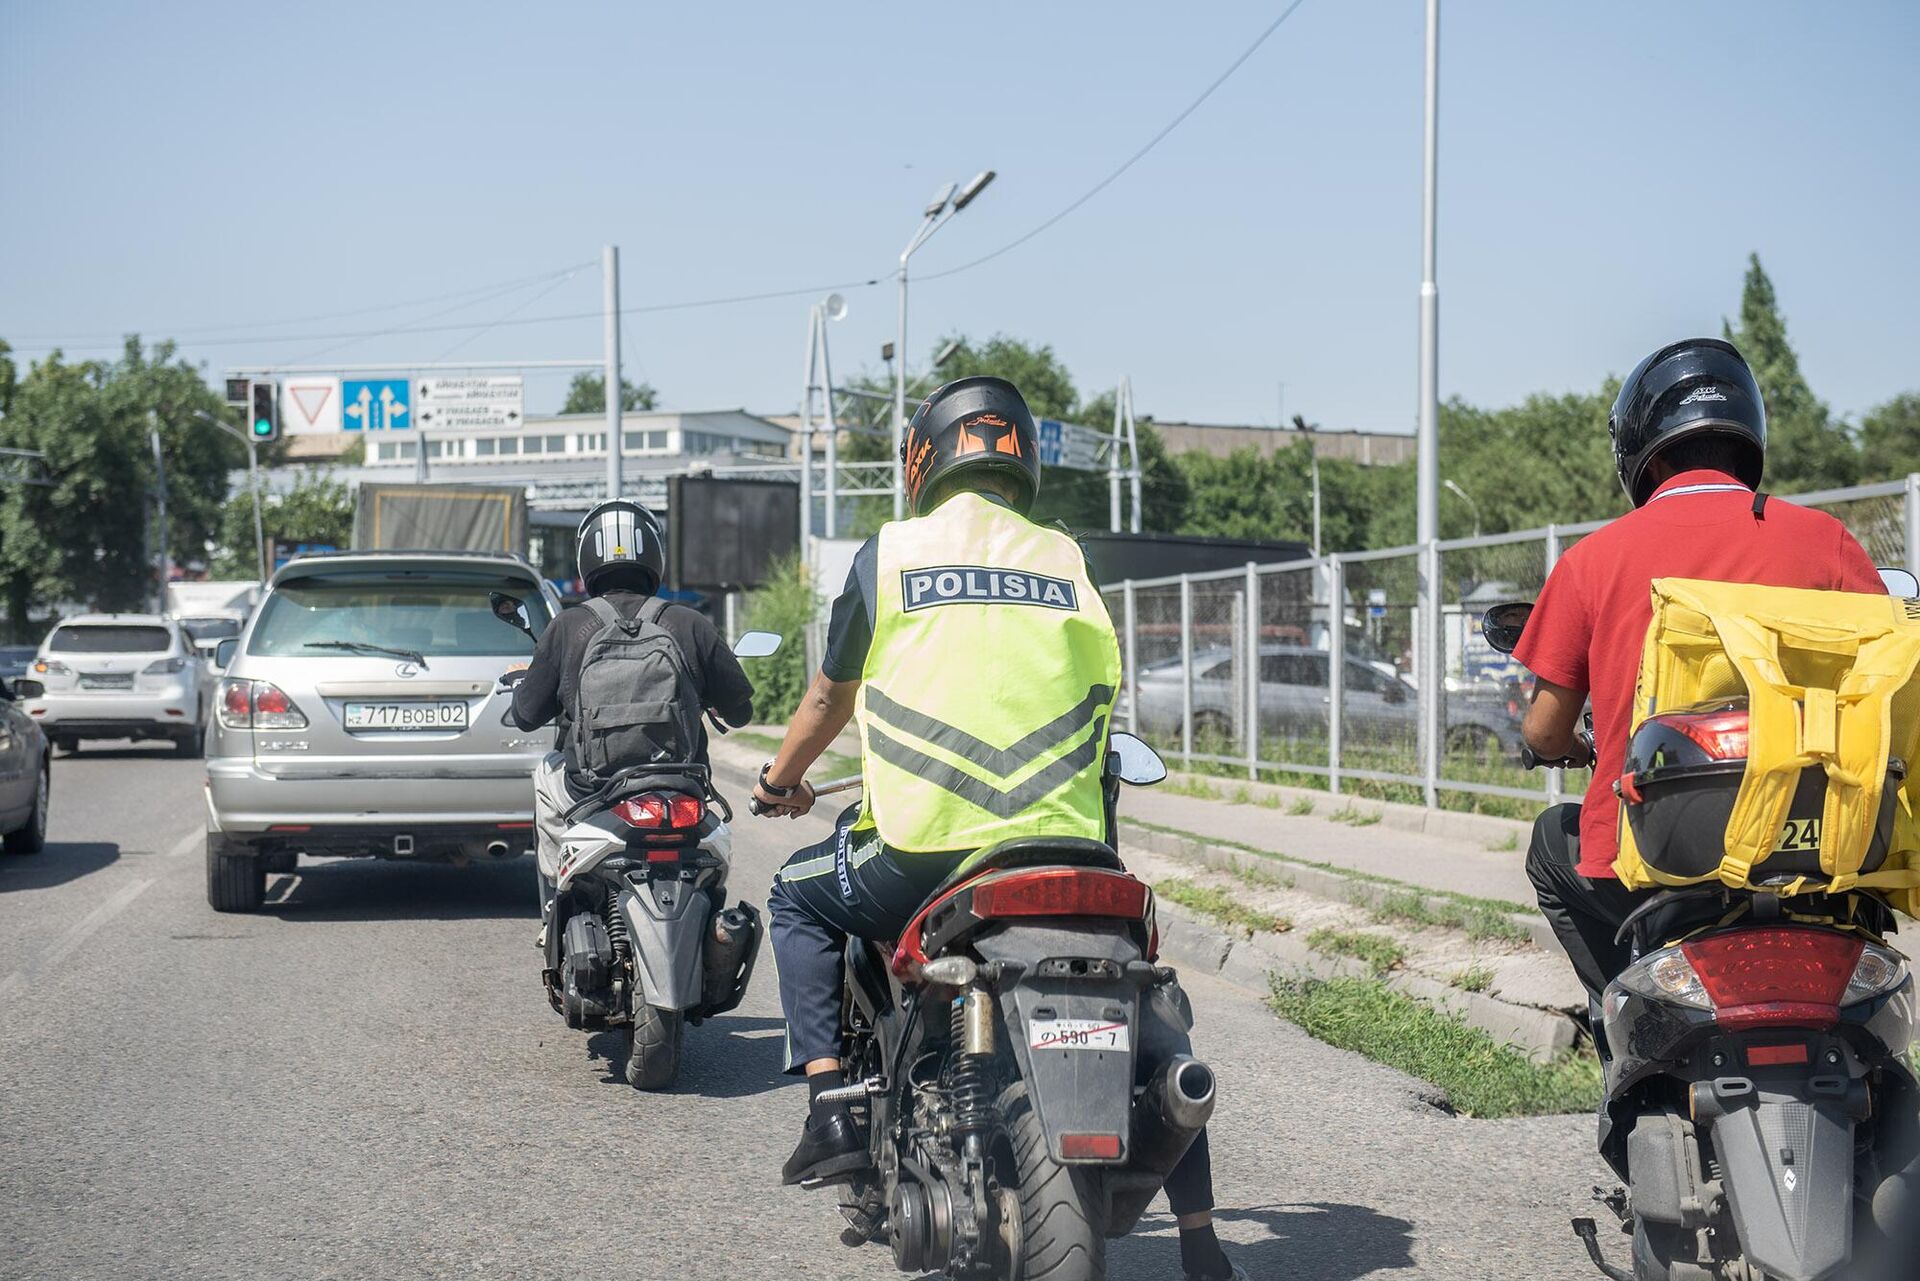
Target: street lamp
<point>253,483</point>
<point>939,211</point>
<point>1469,501</point>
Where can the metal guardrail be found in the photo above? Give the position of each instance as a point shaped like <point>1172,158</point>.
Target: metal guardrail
<point>1314,668</point>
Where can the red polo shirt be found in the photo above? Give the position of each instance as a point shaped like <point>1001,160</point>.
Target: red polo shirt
<point>1588,626</point>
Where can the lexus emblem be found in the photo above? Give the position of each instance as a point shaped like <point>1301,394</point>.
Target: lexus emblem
<point>406,671</point>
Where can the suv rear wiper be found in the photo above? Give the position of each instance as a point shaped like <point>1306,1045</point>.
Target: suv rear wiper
<point>363,647</point>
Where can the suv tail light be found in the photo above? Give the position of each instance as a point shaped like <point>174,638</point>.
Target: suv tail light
<point>660,811</point>
<point>50,667</point>
<point>258,705</point>
<point>1778,977</point>
<point>164,667</point>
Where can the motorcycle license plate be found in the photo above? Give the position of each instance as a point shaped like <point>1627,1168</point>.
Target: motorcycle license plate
<point>443,714</point>
<point>1077,1034</point>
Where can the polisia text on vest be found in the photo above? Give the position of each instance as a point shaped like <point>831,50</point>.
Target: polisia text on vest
<point>980,584</point>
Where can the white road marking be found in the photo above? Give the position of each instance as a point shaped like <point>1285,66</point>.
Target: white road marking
<point>85,928</point>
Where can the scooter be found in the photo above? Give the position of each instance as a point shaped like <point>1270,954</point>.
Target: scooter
<point>1759,1104</point>
<point>1020,1103</point>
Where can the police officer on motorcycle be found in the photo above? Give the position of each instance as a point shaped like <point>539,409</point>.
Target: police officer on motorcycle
<point>1039,666</point>
<point>1689,436</point>
<point>622,557</point>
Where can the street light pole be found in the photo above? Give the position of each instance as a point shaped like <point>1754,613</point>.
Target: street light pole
<point>253,485</point>
<point>936,215</point>
<point>1428,494</point>
<point>616,443</point>
<point>1472,505</point>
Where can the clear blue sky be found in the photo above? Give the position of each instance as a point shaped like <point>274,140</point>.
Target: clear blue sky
<point>1605,169</point>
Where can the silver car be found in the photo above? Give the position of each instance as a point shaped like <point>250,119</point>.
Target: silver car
<point>359,715</point>
<point>120,676</point>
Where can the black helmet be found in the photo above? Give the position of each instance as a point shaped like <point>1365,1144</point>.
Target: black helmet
<point>617,534</point>
<point>971,424</point>
<point>1698,387</point>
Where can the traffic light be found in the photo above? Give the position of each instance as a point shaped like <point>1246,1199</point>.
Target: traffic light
<point>263,425</point>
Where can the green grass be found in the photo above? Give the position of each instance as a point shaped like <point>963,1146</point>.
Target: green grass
<point>1355,817</point>
<point>1375,950</point>
<point>1301,807</point>
<point>1192,786</point>
<point>1261,878</point>
<point>1475,978</point>
<point>1481,1077</point>
<point>1512,842</point>
<point>830,766</point>
<point>1221,906</point>
<point>1477,919</point>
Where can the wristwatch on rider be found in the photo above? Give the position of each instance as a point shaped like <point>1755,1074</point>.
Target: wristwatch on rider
<point>772,790</point>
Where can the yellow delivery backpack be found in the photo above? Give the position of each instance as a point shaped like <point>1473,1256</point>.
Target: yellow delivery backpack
<point>1828,680</point>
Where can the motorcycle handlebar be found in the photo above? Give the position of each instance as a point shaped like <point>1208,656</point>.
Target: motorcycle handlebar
<point>1581,757</point>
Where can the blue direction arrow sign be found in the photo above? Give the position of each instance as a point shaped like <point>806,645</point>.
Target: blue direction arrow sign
<point>375,404</point>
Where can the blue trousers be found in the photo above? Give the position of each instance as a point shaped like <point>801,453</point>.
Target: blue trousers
<point>846,887</point>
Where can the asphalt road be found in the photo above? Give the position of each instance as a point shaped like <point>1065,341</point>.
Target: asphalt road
<point>365,1080</point>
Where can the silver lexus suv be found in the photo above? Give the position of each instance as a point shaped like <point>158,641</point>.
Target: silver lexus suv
<point>358,715</point>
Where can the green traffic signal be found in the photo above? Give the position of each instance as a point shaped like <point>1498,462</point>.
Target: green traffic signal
<point>266,411</point>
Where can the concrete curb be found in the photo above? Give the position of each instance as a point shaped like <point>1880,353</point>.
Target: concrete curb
<point>1482,829</point>
<point>1322,881</point>
<point>1249,963</point>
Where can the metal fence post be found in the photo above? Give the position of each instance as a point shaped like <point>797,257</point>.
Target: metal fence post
<point>1556,779</point>
<point>1186,670</point>
<point>1913,522</point>
<point>1130,622</point>
<point>1253,671</point>
<point>1432,671</point>
<point>1336,572</point>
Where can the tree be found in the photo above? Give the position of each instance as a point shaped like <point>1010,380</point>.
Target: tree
<point>1806,447</point>
<point>587,394</point>
<point>1890,439</point>
<point>317,510</point>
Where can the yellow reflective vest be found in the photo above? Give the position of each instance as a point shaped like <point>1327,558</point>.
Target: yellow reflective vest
<point>1830,679</point>
<point>988,687</point>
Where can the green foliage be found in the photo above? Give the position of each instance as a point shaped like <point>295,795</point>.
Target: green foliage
<point>1481,1077</point>
<point>1474,978</point>
<point>1806,447</point>
<point>1221,906</point>
<point>1377,951</point>
<point>587,394</point>
<point>1890,438</point>
<point>787,605</point>
<point>318,509</point>
<point>1479,920</point>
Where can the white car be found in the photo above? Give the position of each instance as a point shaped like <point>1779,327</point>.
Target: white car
<point>121,676</point>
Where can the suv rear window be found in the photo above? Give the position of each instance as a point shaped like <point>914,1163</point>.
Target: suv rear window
<point>436,615</point>
<point>109,638</point>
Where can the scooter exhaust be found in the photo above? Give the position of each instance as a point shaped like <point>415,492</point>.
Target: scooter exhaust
<point>727,956</point>
<point>1171,1112</point>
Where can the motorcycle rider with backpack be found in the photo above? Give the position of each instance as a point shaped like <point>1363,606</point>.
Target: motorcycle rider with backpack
<point>1029,658</point>
<point>587,664</point>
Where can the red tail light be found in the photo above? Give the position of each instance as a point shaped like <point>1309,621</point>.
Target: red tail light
<point>1721,734</point>
<point>1090,1147</point>
<point>248,704</point>
<point>1061,891</point>
<point>236,702</point>
<point>658,812</point>
<point>1776,976</point>
<point>271,701</point>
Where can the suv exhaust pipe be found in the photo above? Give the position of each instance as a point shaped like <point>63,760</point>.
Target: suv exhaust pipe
<point>498,849</point>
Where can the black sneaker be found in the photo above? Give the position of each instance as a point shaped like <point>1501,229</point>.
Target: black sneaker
<point>831,1150</point>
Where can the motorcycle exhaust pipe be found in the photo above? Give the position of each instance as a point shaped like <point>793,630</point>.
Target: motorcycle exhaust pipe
<point>1171,1112</point>
<point>730,944</point>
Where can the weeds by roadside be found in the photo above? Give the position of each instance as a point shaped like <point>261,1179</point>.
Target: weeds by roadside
<point>1301,807</point>
<point>1375,950</point>
<point>1221,906</point>
<point>1475,978</point>
<point>1261,878</point>
<point>1508,845</point>
<point>1479,920</point>
<point>1482,1078</point>
<point>1354,817</point>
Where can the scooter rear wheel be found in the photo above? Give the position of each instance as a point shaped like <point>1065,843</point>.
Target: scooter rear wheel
<point>653,1056</point>
<point>1059,1238</point>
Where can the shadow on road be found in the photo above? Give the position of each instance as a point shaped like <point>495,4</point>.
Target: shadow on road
<point>1309,1242</point>
<point>57,864</point>
<point>734,1056</point>
<point>384,890</point>
<point>122,750</point>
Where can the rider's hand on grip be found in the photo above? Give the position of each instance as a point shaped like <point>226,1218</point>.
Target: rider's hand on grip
<point>509,679</point>
<point>1579,756</point>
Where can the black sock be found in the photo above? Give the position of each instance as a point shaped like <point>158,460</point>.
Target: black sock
<point>1201,1255</point>
<point>819,1083</point>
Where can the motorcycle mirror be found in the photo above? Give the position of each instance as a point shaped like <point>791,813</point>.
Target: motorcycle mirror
<point>510,610</point>
<point>1900,582</point>
<point>1503,624</point>
<point>756,645</point>
<point>1136,763</point>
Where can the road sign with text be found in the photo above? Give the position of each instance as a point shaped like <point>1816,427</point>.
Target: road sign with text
<point>467,404</point>
<point>1070,445</point>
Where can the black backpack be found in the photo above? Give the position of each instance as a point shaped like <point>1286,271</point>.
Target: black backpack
<point>637,703</point>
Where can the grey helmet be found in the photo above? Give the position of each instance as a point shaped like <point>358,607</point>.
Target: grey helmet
<point>616,533</point>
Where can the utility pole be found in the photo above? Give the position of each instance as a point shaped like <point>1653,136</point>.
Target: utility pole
<point>1113,468</point>
<point>1427,492</point>
<point>616,442</point>
<point>160,503</point>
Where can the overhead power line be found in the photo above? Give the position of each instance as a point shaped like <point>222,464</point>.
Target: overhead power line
<point>1132,160</point>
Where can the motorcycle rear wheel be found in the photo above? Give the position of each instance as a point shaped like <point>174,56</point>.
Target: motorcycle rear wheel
<point>653,1055</point>
<point>1060,1239</point>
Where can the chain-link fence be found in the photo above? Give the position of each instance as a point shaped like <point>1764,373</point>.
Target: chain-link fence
<point>1234,671</point>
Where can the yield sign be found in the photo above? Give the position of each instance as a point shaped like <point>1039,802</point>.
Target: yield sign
<point>310,406</point>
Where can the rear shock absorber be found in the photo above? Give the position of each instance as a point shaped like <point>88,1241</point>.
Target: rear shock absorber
<point>617,931</point>
<point>973,1048</point>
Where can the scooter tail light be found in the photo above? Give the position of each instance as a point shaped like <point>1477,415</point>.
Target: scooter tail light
<point>1062,891</point>
<point>1776,977</point>
<point>686,811</point>
<point>1090,1147</point>
<point>1722,735</point>
<point>647,812</point>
